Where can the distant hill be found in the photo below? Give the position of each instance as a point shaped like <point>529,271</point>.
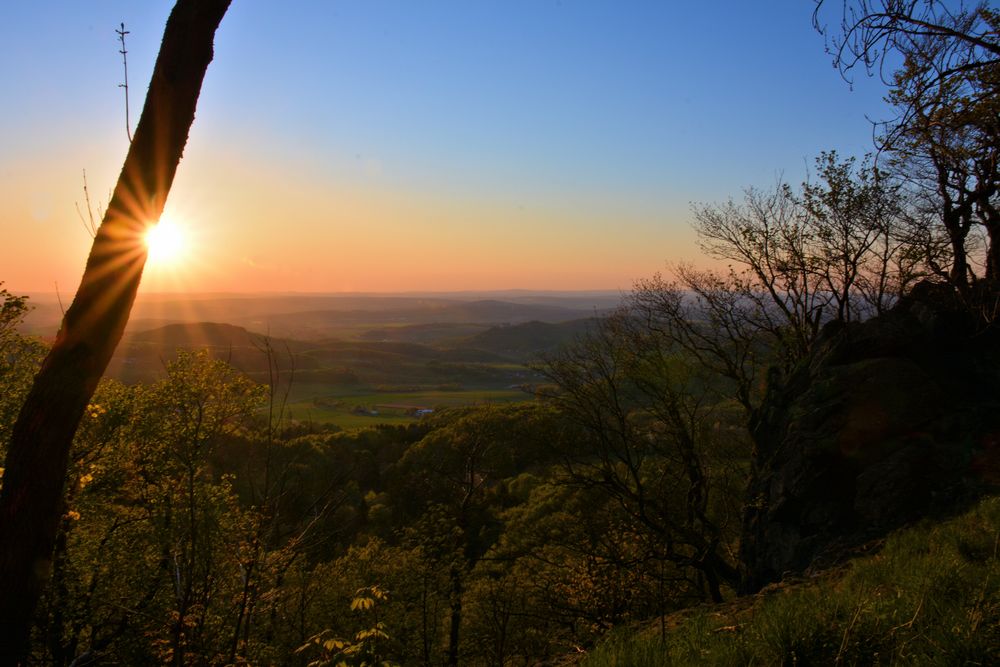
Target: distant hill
<point>338,350</point>
<point>435,333</point>
<point>505,311</point>
<point>530,339</point>
<point>319,316</point>
<point>142,355</point>
<point>439,312</point>
<point>196,335</point>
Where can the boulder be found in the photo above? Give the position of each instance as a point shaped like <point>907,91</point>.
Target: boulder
<point>886,421</point>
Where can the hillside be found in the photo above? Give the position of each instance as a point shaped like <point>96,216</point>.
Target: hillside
<point>141,356</point>
<point>929,596</point>
<point>530,339</point>
<point>204,334</point>
<point>356,322</point>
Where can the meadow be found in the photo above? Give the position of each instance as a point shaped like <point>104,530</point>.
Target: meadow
<point>350,410</point>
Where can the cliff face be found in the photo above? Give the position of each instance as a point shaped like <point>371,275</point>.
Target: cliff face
<point>887,421</point>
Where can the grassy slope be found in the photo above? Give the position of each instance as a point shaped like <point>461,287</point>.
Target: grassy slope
<point>931,596</point>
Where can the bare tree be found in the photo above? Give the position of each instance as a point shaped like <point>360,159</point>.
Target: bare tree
<point>720,320</point>
<point>837,248</point>
<point>942,61</point>
<point>765,238</point>
<point>842,247</point>
<point>31,497</point>
<point>868,31</point>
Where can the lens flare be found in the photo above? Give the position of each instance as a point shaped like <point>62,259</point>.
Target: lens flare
<point>166,243</point>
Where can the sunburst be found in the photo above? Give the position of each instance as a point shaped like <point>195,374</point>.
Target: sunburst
<point>166,242</point>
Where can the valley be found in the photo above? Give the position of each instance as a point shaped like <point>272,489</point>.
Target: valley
<point>355,361</point>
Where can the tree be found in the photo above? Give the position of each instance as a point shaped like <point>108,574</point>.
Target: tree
<point>945,136</point>
<point>948,151</point>
<point>840,247</point>
<point>862,255</point>
<point>869,31</point>
<point>20,356</point>
<point>454,471</point>
<point>642,415</point>
<point>30,500</point>
<point>646,386</point>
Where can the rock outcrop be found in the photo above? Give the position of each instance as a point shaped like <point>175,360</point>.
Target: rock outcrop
<point>888,420</point>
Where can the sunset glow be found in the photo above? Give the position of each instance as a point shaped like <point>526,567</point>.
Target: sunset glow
<point>166,243</point>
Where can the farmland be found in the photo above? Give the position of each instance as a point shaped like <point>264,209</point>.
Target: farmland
<point>364,361</point>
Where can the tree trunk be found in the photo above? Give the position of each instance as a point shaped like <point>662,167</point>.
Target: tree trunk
<point>455,623</point>
<point>37,457</point>
<point>991,221</point>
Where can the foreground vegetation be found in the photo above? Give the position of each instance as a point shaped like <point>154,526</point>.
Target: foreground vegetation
<point>931,596</point>
<point>196,532</point>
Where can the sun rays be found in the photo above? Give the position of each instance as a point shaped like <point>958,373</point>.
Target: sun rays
<point>167,243</point>
<point>173,261</point>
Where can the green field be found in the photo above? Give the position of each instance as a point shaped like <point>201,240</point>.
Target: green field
<point>358,410</point>
<point>389,373</point>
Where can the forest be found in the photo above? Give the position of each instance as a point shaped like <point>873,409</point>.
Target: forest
<point>722,431</point>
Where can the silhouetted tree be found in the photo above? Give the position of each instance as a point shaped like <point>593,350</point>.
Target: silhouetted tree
<point>31,497</point>
<point>949,152</point>
<point>838,248</point>
<point>964,37</point>
<point>945,136</point>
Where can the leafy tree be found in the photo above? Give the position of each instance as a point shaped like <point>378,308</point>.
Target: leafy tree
<point>458,468</point>
<point>363,649</point>
<point>643,413</point>
<point>20,356</point>
<point>948,150</point>
<point>861,252</point>
<point>569,566</point>
<point>151,554</point>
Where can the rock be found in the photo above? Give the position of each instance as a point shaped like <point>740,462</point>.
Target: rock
<point>886,421</point>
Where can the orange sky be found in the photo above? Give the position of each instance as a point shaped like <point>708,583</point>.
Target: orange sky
<point>257,231</point>
<point>288,226</point>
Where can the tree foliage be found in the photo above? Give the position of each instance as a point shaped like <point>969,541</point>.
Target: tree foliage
<point>643,414</point>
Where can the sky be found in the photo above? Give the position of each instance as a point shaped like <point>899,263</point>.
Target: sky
<point>397,146</point>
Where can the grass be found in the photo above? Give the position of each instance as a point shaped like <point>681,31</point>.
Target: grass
<point>930,597</point>
<point>344,408</point>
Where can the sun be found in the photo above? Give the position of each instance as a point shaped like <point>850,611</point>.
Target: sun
<point>166,243</point>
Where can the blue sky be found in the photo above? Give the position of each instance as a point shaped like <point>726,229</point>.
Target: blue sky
<point>604,119</point>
